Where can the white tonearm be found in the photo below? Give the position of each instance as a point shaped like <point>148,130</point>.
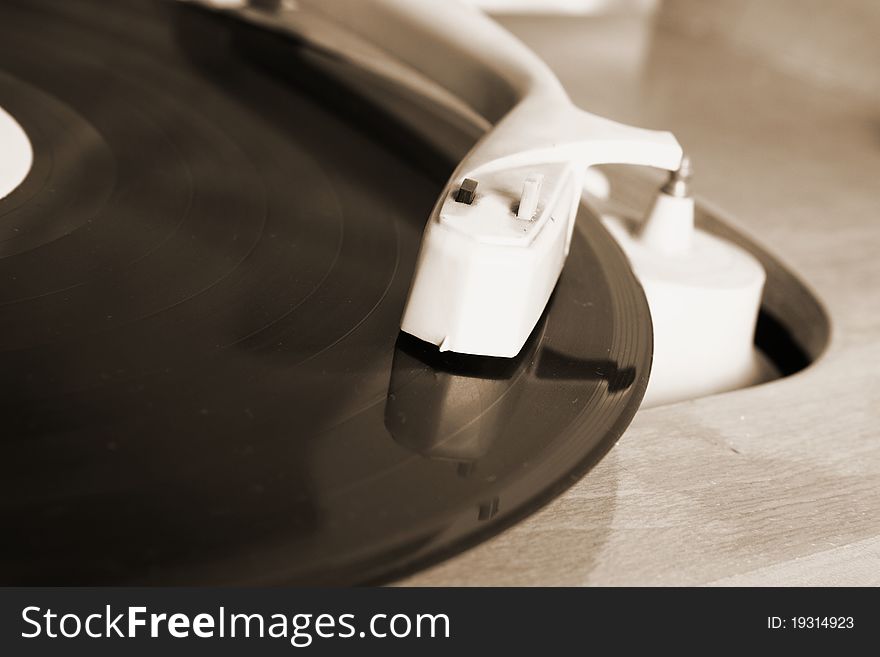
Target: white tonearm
<point>496,241</point>
<point>498,236</point>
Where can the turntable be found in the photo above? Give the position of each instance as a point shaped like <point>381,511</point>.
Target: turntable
<point>330,292</point>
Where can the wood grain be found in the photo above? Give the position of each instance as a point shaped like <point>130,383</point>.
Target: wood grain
<point>777,484</point>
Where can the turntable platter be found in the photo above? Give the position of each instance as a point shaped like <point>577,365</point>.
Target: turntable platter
<point>202,379</point>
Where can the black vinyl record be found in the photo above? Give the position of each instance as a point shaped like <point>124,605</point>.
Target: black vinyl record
<point>202,378</point>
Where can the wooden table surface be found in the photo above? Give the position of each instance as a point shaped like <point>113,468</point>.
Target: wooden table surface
<point>773,485</point>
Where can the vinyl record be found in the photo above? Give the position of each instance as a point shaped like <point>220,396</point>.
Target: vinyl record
<point>202,379</point>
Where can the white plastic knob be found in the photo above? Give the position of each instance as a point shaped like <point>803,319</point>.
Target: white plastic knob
<point>528,202</point>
